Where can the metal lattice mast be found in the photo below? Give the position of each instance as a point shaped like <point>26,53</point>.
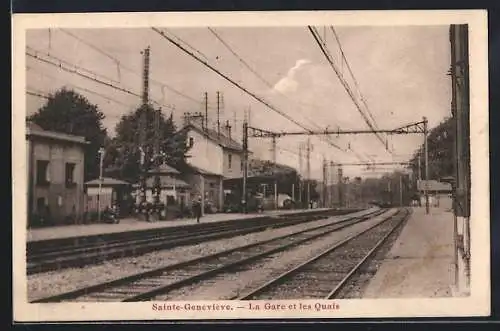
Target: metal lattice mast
<point>143,130</point>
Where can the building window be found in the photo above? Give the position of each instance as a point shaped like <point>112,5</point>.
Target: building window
<point>70,174</point>
<point>230,160</point>
<point>42,172</point>
<point>241,165</point>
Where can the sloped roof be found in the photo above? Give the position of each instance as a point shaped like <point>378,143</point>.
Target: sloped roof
<point>35,130</point>
<point>265,168</point>
<point>107,181</point>
<point>167,181</point>
<point>33,126</point>
<point>200,171</point>
<point>221,139</point>
<point>433,185</point>
<point>165,169</point>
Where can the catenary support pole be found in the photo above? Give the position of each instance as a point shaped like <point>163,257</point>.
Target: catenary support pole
<point>426,156</point>
<point>244,199</point>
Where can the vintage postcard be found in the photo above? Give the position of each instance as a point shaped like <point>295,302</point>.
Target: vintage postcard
<point>276,165</point>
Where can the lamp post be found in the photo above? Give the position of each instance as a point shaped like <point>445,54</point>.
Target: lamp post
<point>101,158</point>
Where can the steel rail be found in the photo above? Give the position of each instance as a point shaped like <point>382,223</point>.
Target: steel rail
<point>225,267</point>
<point>68,250</point>
<point>357,267</point>
<point>282,277</point>
<point>127,248</point>
<point>131,278</point>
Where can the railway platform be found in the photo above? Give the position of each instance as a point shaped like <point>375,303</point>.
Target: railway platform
<point>132,224</point>
<point>420,262</point>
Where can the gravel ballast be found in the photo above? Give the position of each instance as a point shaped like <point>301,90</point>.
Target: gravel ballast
<point>54,282</point>
<point>229,285</point>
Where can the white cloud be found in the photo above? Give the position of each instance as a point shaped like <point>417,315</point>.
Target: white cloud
<point>289,83</point>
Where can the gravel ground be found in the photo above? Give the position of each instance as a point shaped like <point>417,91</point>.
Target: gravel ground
<point>54,282</point>
<point>228,285</point>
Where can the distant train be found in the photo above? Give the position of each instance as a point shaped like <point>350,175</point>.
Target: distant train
<point>382,204</point>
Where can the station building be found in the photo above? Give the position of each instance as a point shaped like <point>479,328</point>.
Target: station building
<point>55,173</point>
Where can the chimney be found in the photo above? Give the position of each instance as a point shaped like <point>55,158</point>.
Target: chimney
<point>226,130</point>
<point>195,119</point>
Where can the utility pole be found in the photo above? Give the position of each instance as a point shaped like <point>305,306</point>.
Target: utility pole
<point>142,137</point>
<point>325,183</point>
<point>340,184</point>
<point>300,173</point>
<point>419,174</point>
<point>308,151</point>
<point>332,182</point>
<point>426,156</point>
<point>218,113</point>
<point>400,190</point>
<point>206,110</point>
<point>276,195</point>
<point>101,158</point>
<point>157,162</point>
<point>245,166</point>
<point>389,189</point>
<point>273,148</point>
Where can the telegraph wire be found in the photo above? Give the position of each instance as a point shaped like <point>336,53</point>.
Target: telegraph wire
<point>97,49</point>
<point>37,94</point>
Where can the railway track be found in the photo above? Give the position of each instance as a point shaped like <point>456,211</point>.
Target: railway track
<point>148,285</point>
<point>48,256</point>
<point>325,275</point>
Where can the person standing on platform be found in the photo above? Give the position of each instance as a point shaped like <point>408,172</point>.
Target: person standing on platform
<point>197,209</point>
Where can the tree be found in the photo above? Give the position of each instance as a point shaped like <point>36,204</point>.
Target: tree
<point>69,112</point>
<point>440,144</point>
<point>123,153</point>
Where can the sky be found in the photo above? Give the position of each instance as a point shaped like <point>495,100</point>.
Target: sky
<point>401,73</point>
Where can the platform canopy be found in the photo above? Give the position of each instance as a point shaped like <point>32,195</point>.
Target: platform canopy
<point>107,181</point>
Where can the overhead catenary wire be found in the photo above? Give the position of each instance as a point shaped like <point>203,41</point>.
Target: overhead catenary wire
<point>133,71</point>
<point>259,99</point>
<point>187,44</point>
<point>87,76</point>
<point>269,85</point>
<point>47,96</point>
<point>352,75</point>
<point>108,98</point>
<point>346,86</point>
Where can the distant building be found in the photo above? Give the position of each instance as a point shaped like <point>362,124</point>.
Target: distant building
<point>111,191</point>
<point>173,188</point>
<point>55,172</point>
<point>214,156</point>
<point>439,193</point>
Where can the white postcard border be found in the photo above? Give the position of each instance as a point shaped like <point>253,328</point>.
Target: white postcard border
<point>478,304</point>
